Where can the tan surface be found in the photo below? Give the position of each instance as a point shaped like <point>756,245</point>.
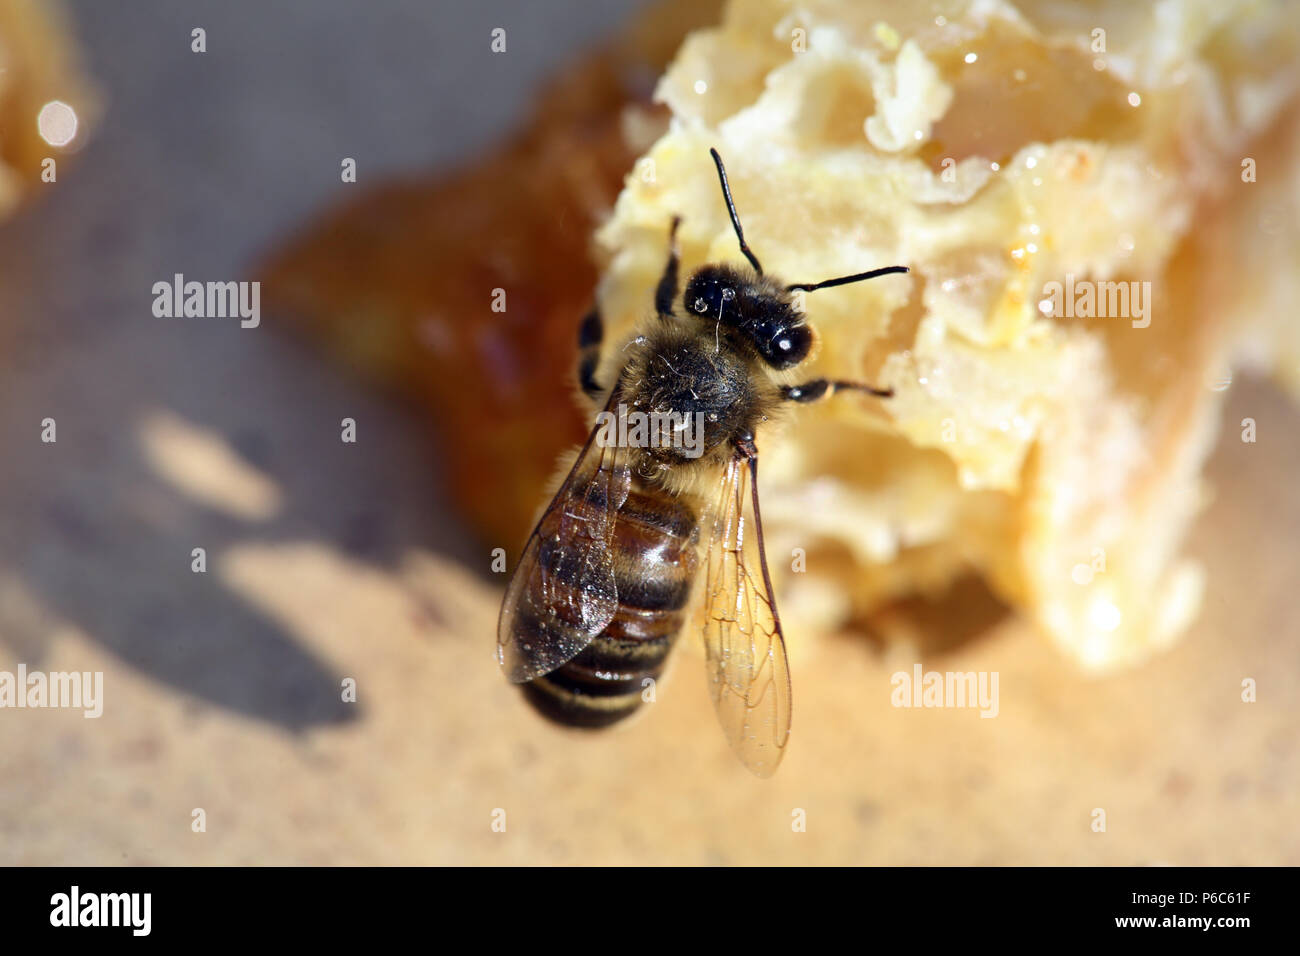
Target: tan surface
<point>1186,772</point>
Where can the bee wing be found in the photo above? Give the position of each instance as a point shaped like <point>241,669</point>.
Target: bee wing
<point>562,593</point>
<point>749,677</point>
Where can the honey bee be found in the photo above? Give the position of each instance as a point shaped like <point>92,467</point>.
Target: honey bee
<point>604,582</point>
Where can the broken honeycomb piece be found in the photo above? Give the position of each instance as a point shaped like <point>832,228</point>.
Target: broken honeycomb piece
<point>1098,203</point>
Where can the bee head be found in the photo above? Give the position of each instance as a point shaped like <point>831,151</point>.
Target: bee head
<point>752,306</point>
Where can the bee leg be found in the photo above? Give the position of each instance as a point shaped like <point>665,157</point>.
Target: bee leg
<point>666,291</point>
<point>821,387</point>
<point>590,335</point>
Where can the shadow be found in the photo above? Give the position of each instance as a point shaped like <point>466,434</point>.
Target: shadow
<point>95,538</point>
<point>966,613</point>
<point>198,162</point>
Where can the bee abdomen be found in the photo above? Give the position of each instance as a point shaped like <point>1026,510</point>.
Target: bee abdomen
<point>608,680</point>
<point>653,549</point>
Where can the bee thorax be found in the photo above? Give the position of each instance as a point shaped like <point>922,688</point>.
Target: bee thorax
<point>702,390</point>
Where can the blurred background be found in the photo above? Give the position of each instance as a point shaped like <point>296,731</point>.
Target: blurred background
<point>329,560</point>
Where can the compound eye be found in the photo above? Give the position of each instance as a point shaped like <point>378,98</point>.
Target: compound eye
<point>790,347</point>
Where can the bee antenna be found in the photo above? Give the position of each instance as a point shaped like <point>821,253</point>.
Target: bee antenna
<point>731,210</point>
<point>844,280</point>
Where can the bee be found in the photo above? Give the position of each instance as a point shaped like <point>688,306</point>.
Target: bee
<point>602,588</point>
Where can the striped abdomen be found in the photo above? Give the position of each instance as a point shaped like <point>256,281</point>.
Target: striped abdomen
<point>653,548</point>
